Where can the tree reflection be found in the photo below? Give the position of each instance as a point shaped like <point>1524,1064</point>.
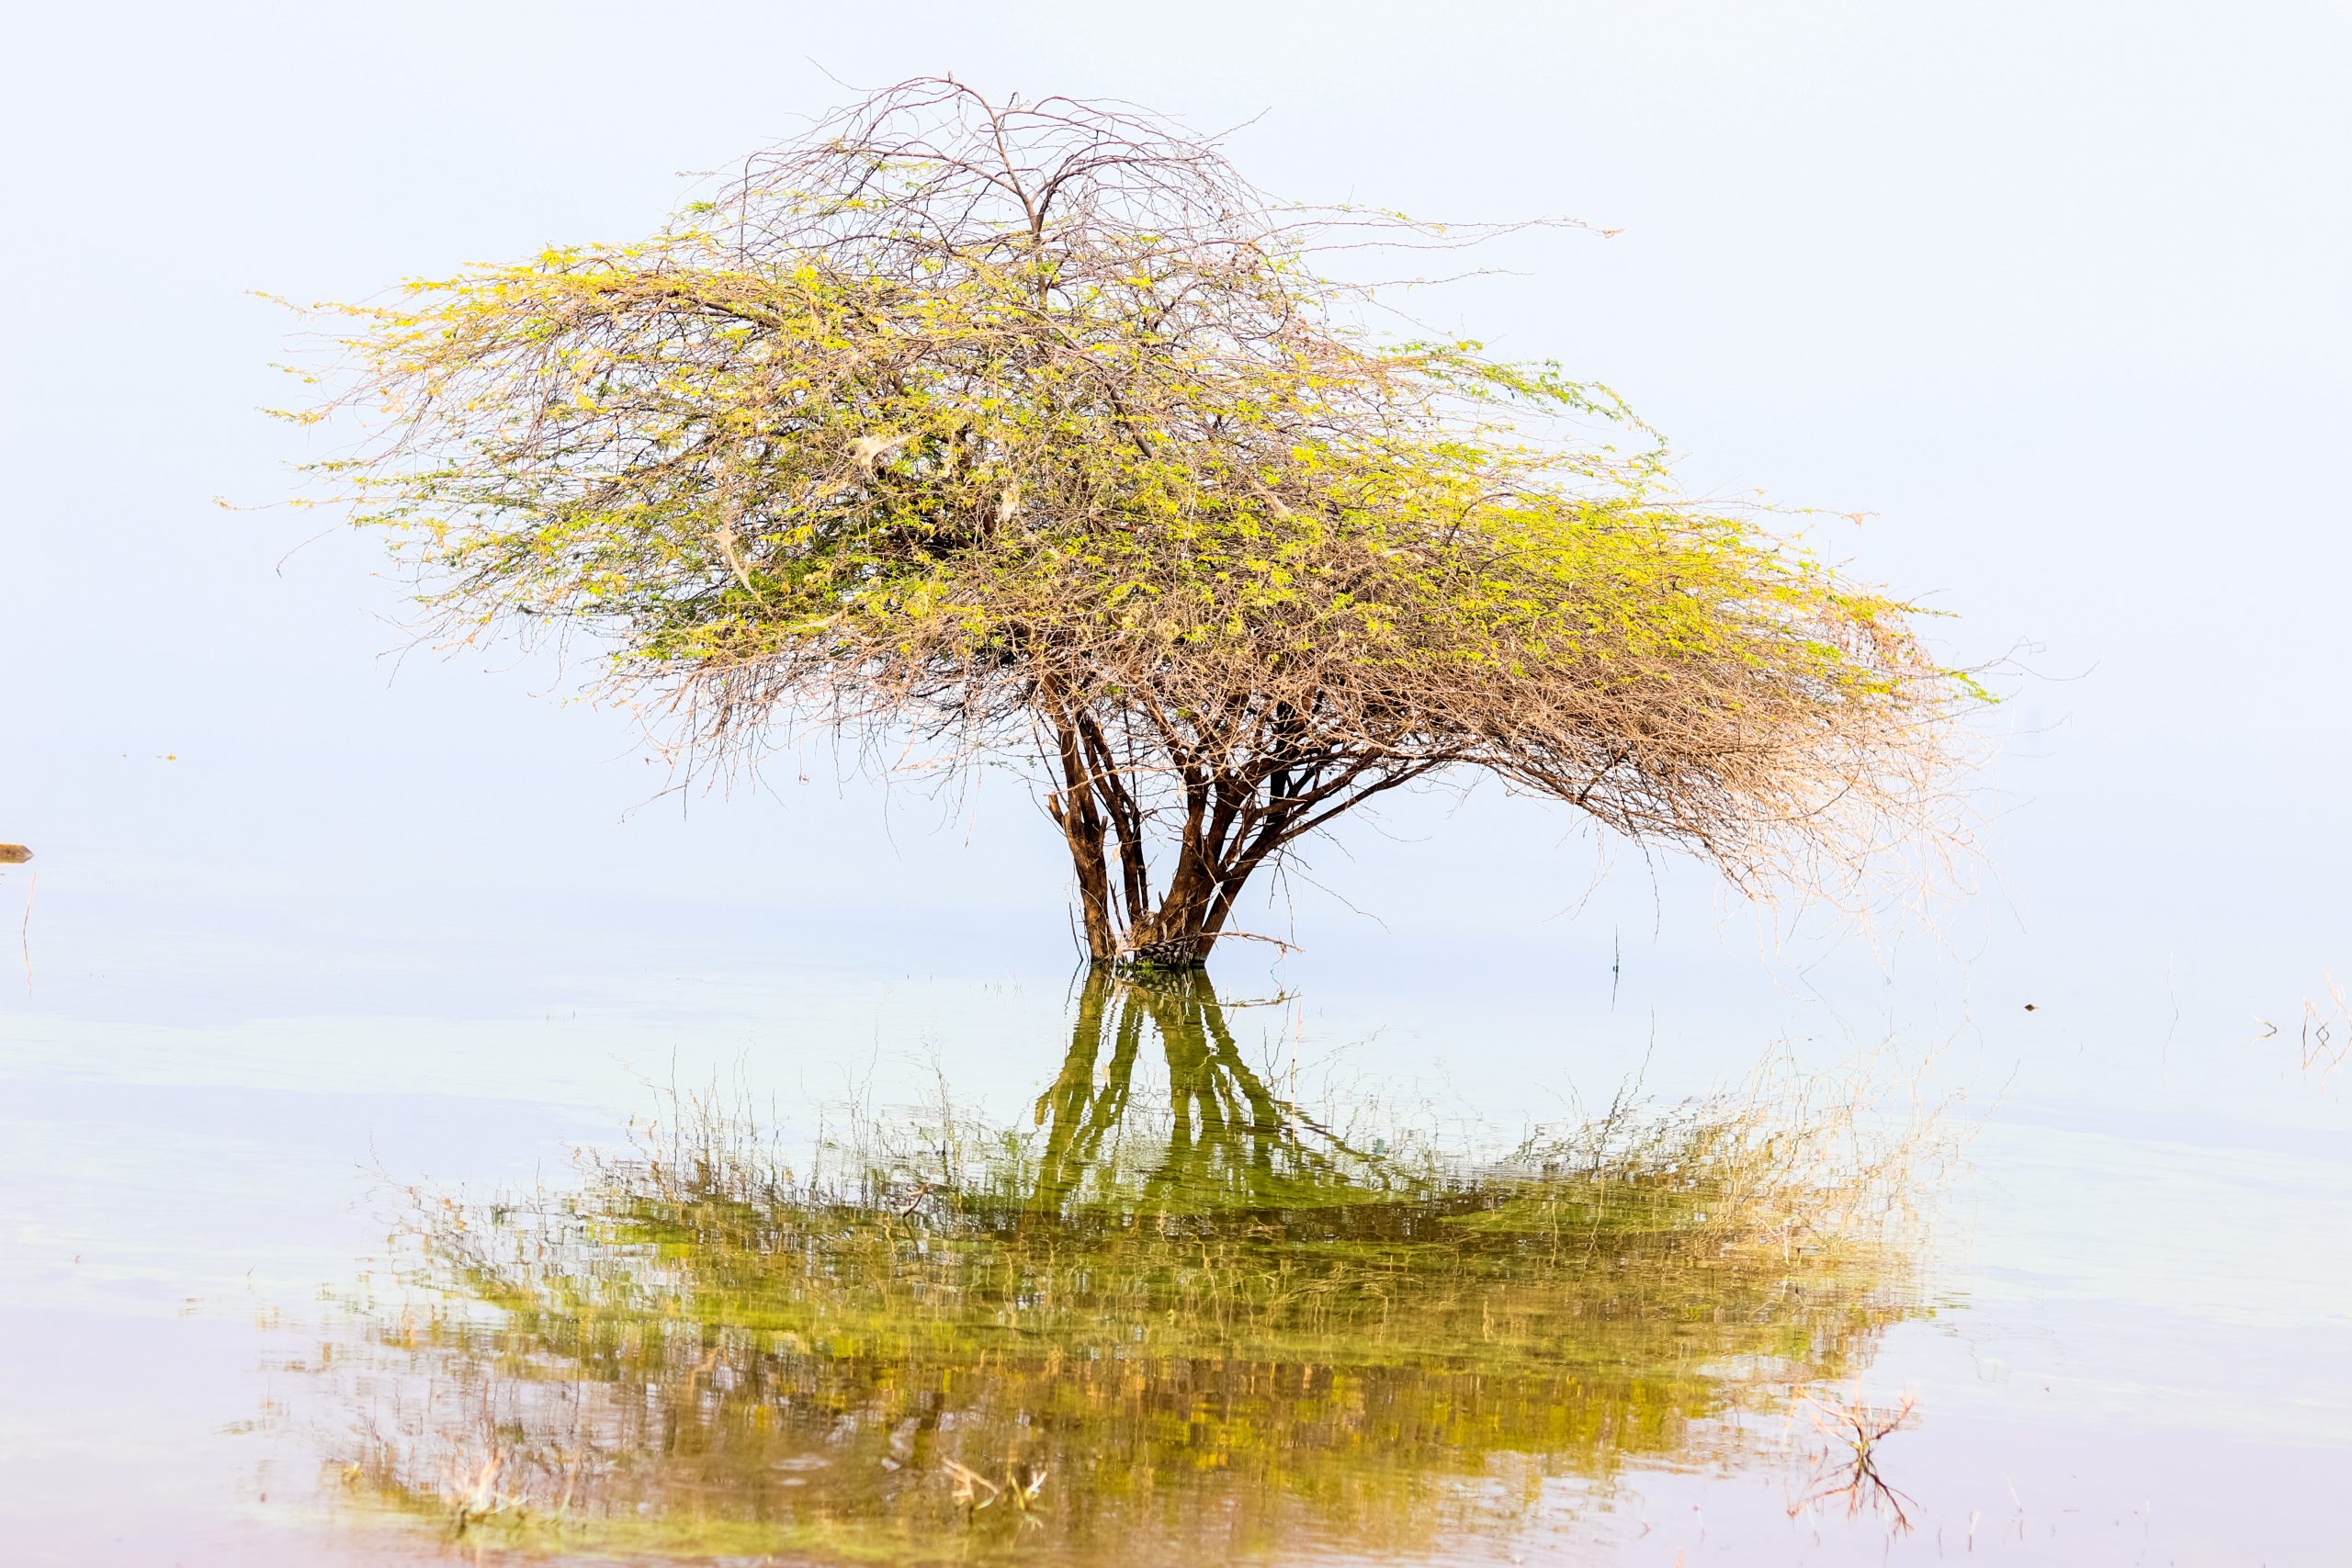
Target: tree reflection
<point>1228,1139</point>
<point>1141,1328</point>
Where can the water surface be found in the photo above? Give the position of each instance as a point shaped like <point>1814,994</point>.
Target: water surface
<point>739,1261</point>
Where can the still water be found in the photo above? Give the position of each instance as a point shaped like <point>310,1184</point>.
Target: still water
<point>727,1260</point>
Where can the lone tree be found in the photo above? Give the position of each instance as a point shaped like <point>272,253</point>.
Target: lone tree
<point>1032,432</point>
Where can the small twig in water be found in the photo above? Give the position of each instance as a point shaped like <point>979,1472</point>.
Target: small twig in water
<point>1857,1480</point>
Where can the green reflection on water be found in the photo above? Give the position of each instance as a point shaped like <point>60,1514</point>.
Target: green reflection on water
<point>1140,1330</point>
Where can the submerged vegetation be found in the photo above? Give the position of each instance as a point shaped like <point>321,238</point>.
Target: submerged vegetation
<point>1173,1314</point>
<point>1034,433</point>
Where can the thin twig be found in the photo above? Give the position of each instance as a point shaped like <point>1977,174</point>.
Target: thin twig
<point>25,932</point>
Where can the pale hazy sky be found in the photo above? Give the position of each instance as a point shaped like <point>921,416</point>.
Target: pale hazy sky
<point>2059,293</point>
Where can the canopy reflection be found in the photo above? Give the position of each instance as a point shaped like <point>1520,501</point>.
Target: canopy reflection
<point>1146,1327</point>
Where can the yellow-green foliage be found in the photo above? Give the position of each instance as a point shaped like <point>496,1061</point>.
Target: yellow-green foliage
<point>1037,431</point>
<point>656,437</point>
<point>659,438</point>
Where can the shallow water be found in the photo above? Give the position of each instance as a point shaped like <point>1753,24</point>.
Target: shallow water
<point>703,1256</point>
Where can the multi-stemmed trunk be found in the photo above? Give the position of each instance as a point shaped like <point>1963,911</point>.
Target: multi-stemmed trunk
<point>1220,824</point>
<point>1124,923</point>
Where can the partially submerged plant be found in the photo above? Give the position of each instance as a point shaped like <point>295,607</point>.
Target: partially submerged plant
<point>1851,1476</point>
<point>1033,433</point>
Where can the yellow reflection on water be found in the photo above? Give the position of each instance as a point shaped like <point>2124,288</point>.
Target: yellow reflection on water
<point>1140,1328</point>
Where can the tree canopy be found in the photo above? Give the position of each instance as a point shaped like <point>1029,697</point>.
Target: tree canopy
<point>1032,431</point>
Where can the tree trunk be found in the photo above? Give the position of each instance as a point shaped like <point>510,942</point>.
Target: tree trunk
<point>1219,851</point>
<point>1176,935</point>
<point>1181,932</point>
<point>1075,812</point>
